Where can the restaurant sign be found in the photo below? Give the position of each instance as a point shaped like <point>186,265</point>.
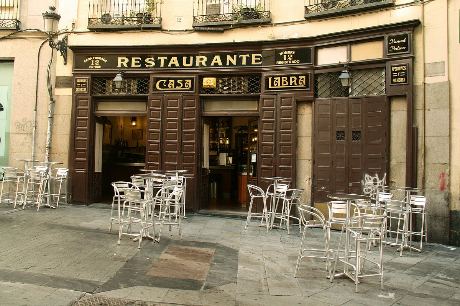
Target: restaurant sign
<point>295,81</point>
<point>173,84</point>
<point>190,61</point>
<point>398,44</point>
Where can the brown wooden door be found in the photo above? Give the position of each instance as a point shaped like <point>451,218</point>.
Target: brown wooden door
<point>172,141</point>
<point>277,137</point>
<point>350,139</point>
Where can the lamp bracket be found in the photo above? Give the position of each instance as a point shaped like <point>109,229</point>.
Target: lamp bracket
<point>60,45</point>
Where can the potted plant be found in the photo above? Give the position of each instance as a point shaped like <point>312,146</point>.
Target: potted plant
<point>242,12</point>
<point>145,17</point>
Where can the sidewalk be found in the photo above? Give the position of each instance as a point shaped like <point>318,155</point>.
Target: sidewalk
<point>67,256</point>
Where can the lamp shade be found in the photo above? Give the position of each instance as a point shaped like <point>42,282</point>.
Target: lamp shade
<point>345,78</point>
<point>118,80</point>
<point>51,20</point>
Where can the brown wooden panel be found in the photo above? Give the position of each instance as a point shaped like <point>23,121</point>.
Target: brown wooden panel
<point>190,147</point>
<point>286,137</point>
<point>153,159</point>
<point>350,139</point>
<point>266,165</point>
<point>80,150</point>
<point>172,132</point>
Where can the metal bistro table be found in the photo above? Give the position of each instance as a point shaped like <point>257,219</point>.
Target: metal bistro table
<point>274,200</point>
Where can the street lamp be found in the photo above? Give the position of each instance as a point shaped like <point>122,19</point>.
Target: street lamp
<point>51,21</point>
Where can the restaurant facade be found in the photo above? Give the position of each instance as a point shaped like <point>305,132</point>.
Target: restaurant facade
<point>320,94</point>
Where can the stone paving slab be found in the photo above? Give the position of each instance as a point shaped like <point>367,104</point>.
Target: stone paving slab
<point>67,255</point>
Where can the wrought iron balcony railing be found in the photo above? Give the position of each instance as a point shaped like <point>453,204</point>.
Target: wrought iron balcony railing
<point>9,15</point>
<point>124,14</point>
<point>323,8</point>
<point>226,13</point>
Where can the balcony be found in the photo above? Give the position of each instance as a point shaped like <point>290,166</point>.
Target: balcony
<point>113,15</point>
<point>9,15</point>
<point>218,15</point>
<point>316,9</point>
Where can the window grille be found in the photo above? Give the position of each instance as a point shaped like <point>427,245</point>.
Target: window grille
<point>232,85</point>
<point>328,85</point>
<point>130,86</point>
<point>368,82</point>
<point>365,82</point>
<point>339,135</point>
<point>355,135</point>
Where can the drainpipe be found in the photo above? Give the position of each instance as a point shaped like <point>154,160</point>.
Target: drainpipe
<point>34,126</point>
<point>51,105</point>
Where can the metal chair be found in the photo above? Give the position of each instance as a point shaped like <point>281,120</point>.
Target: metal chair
<point>291,197</point>
<point>256,192</point>
<point>397,223</point>
<point>167,202</point>
<point>417,205</point>
<point>9,181</point>
<point>310,218</point>
<point>276,193</point>
<point>364,229</point>
<point>135,211</point>
<point>58,185</point>
<point>36,187</point>
<point>119,189</point>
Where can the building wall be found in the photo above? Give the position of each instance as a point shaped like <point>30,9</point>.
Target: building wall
<point>28,93</point>
<point>438,171</point>
<point>453,74</point>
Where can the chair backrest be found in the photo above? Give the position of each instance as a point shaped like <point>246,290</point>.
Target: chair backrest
<point>310,216</point>
<point>417,201</point>
<point>62,173</point>
<point>9,172</point>
<point>383,197</point>
<point>395,206</point>
<point>255,191</point>
<point>374,222</point>
<point>139,181</point>
<point>119,187</point>
<point>281,189</point>
<point>337,211</point>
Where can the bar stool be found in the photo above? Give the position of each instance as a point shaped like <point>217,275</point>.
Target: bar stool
<point>256,192</point>
<point>311,217</point>
<point>9,181</point>
<point>119,189</point>
<point>36,186</point>
<point>277,193</point>
<point>58,184</point>
<point>369,228</point>
<point>291,197</point>
<point>417,205</point>
<point>135,210</point>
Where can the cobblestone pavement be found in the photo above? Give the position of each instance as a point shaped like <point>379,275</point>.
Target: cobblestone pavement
<point>67,256</point>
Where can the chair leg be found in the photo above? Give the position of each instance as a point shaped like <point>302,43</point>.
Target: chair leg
<point>248,218</point>
<point>299,257</point>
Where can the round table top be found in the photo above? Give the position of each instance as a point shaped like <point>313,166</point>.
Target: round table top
<point>176,171</point>
<point>347,196</point>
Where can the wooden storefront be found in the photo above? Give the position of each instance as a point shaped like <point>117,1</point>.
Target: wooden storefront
<point>276,75</point>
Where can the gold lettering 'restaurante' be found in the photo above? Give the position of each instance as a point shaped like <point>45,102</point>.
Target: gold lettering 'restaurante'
<point>190,61</point>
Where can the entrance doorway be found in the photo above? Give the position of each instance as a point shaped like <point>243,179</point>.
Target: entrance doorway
<point>350,139</point>
<point>230,161</point>
<point>119,150</point>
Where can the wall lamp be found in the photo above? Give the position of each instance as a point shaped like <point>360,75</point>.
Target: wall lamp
<point>51,21</point>
<point>345,77</point>
<point>118,80</point>
<point>133,121</point>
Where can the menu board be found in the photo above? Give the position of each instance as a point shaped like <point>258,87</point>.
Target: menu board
<point>399,74</point>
